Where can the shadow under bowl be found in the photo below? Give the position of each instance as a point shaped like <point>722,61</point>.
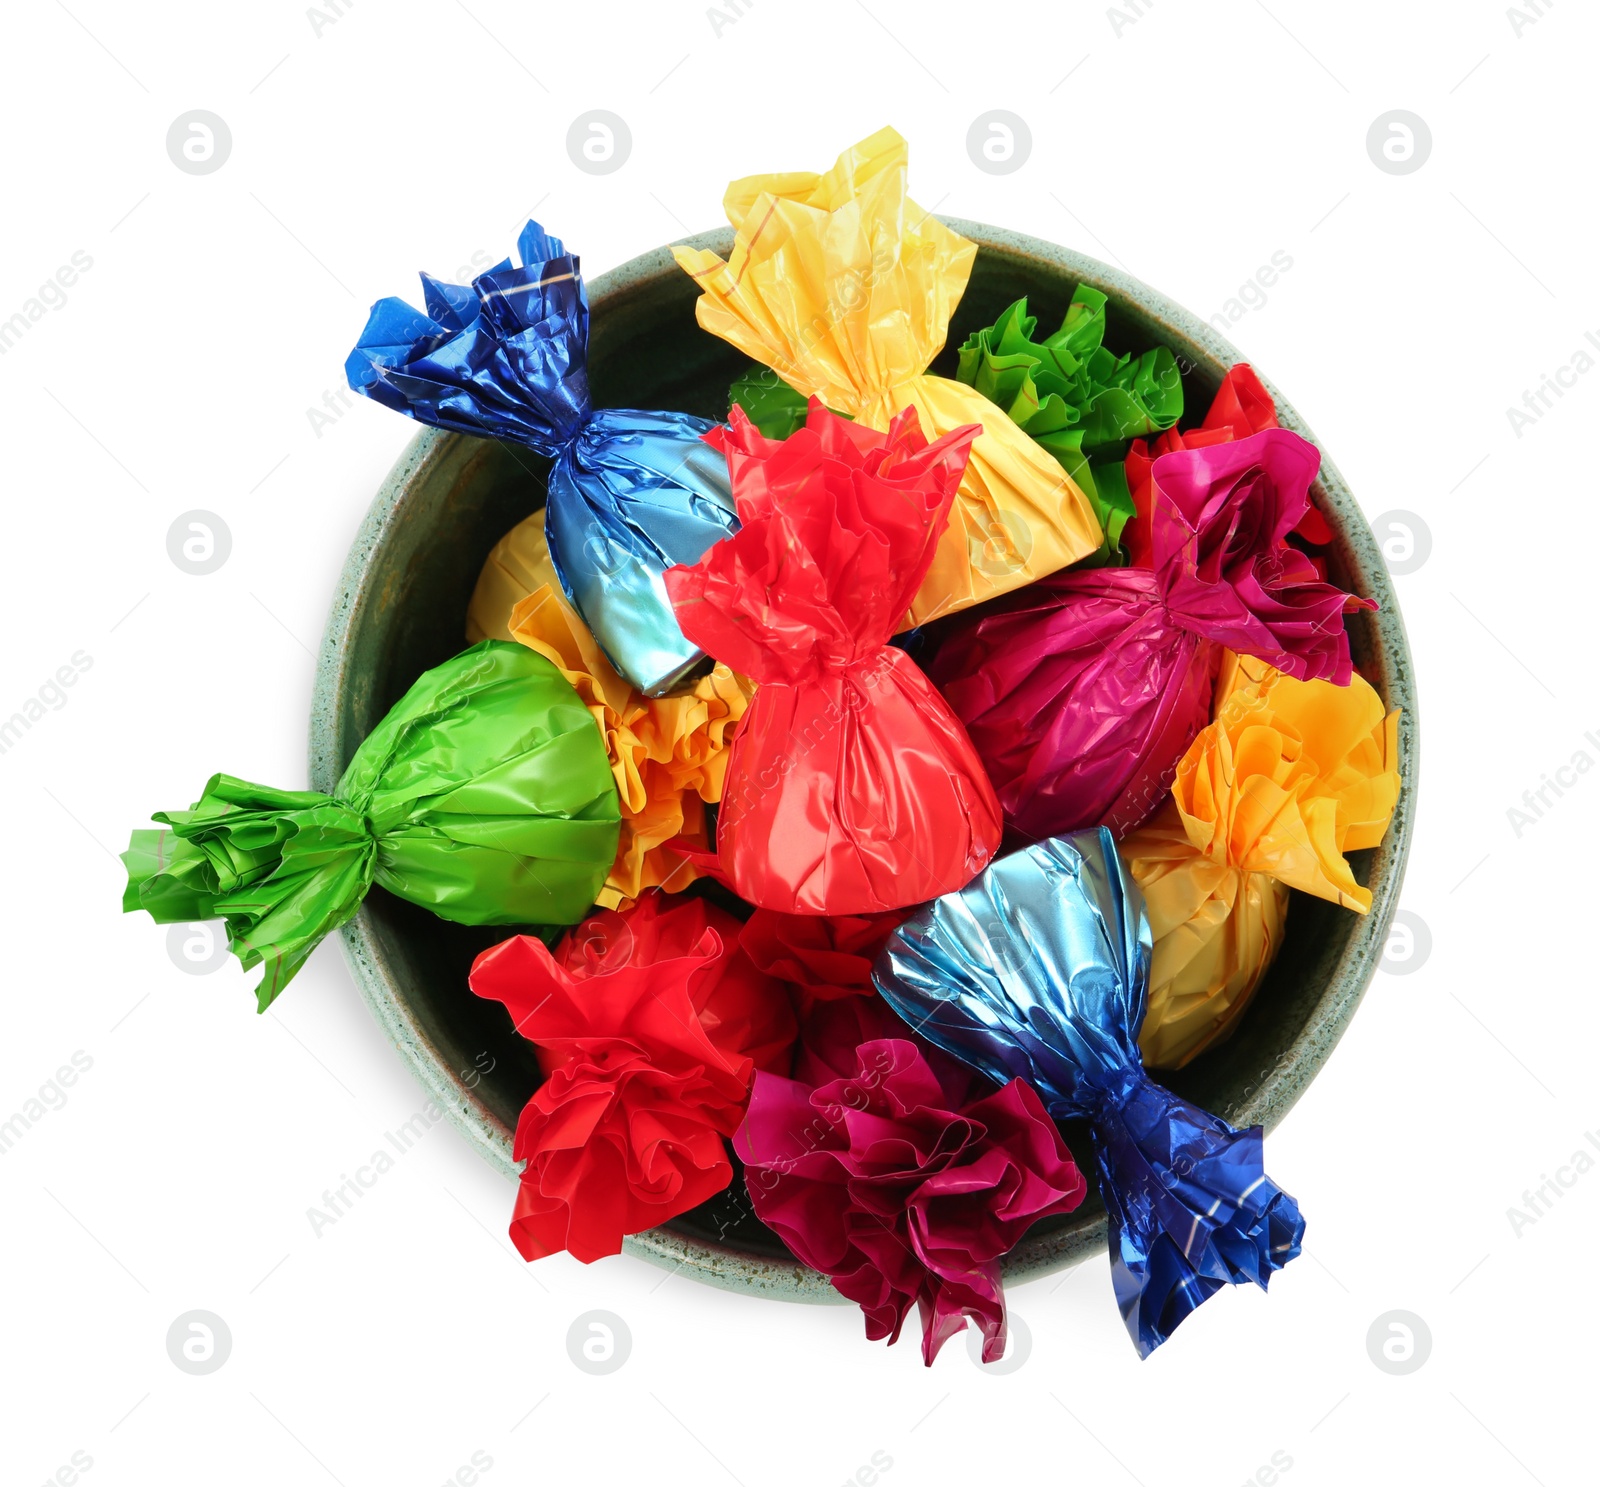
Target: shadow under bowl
<point>401,609</point>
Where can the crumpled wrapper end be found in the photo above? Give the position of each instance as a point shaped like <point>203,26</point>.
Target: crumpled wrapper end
<point>1241,407</point>
<point>627,1129</point>
<point>282,868</point>
<point>502,358</point>
<point>1078,400</point>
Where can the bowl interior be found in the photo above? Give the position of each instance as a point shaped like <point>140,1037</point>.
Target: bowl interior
<point>402,607</point>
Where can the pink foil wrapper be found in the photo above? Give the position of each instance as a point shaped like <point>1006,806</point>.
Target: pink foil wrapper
<point>1082,691</point>
<point>1081,701</point>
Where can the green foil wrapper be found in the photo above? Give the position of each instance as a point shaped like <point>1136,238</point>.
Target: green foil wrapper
<point>485,795</point>
<point>1077,399</point>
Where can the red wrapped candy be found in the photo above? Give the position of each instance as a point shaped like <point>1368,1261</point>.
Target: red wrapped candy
<point>851,786</point>
<point>649,1025</point>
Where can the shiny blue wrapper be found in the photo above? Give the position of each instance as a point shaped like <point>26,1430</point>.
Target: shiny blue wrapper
<point>630,493</point>
<point>1039,970</point>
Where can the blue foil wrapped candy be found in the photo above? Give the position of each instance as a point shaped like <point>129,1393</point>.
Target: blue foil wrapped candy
<point>1038,969</point>
<point>630,493</point>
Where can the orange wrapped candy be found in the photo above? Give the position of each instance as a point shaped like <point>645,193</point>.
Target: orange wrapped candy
<point>1270,796</point>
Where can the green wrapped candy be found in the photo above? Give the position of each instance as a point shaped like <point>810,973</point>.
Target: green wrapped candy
<point>1077,399</point>
<point>485,795</point>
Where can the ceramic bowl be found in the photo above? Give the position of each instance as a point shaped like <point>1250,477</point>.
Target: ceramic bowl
<point>401,608</point>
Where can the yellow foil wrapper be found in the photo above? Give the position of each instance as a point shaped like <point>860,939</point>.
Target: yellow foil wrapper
<point>1270,796</point>
<point>844,286</point>
<point>668,755</point>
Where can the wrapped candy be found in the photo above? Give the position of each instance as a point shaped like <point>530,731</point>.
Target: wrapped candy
<point>1270,796</point>
<point>851,788</point>
<point>668,754</point>
<point>844,287</point>
<point>630,492</point>
<point>485,795</point>
<point>649,1025</point>
<point>1038,971</point>
<point>904,1180</point>
<point>1076,398</point>
<point>1081,693</point>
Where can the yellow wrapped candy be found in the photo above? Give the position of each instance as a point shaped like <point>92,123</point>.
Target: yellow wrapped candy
<point>845,287</point>
<point>668,754</point>
<point>1289,777</point>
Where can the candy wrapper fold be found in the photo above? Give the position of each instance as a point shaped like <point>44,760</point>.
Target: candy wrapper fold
<point>851,789</point>
<point>1242,407</point>
<point>905,1188</point>
<point>668,754</point>
<point>1270,796</point>
<point>485,795</point>
<point>1038,971</point>
<point>649,1025</point>
<point>844,287</point>
<point>630,492</point>
<point>1081,693</point>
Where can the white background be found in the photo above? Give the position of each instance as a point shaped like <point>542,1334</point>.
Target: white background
<point>1186,142</point>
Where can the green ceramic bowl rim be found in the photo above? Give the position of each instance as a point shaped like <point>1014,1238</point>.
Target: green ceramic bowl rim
<point>1266,1103</point>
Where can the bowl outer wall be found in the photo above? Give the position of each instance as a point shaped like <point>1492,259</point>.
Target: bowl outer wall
<point>1262,1094</point>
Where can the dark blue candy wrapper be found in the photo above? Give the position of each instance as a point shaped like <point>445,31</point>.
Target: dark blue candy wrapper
<point>1039,969</point>
<point>631,493</point>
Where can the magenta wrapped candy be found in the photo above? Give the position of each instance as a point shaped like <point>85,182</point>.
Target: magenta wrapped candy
<point>1082,691</point>
<point>900,1174</point>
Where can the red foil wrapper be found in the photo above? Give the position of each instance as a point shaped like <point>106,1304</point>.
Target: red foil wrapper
<point>851,786</point>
